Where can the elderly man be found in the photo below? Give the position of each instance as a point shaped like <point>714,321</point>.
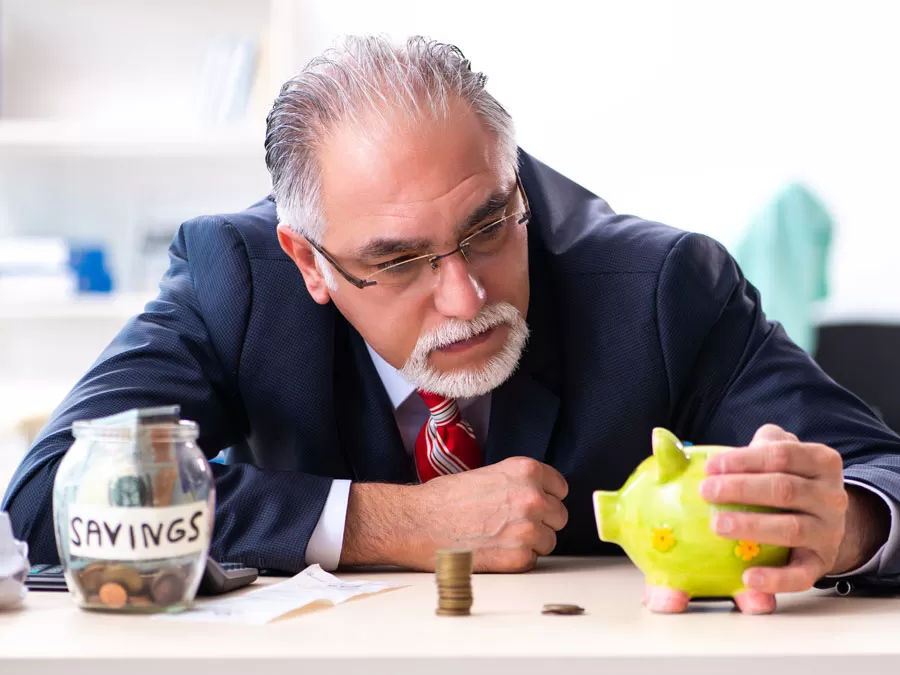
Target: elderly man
<point>428,338</point>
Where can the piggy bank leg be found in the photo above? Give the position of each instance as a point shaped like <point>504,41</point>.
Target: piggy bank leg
<point>664,599</point>
<point>755,602</point>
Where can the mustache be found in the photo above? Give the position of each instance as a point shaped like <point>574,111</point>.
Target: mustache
<point>469,382</point>
<point>457,330</point>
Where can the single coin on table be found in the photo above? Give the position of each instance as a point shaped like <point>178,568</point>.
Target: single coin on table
<point>566,610</point>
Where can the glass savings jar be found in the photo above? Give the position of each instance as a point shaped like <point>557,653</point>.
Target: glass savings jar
<point>133,507</point>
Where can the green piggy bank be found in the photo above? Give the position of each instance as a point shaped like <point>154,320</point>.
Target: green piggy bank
<point>664,525</point>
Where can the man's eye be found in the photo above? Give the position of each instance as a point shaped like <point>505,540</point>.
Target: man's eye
<point>402,269</point>
<point>487,231</point>
<point>395,261</point>
<point>492,230</point>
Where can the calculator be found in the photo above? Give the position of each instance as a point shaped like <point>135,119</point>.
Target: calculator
<point>217,578</point>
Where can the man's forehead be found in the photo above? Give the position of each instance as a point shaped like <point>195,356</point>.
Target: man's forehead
<point>452,198</point>
<point>395,172</point>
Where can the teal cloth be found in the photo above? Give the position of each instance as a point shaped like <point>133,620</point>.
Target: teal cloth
<point>784,254</point>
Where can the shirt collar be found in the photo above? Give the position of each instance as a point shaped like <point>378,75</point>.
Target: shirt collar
<point>397,387</point>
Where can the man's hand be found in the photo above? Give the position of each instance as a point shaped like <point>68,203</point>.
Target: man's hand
<point>507,513</point>
<point>806,480</point>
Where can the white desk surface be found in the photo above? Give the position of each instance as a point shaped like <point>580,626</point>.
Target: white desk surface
<point>816,632</point>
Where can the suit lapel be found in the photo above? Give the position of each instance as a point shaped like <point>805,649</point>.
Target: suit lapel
<point>524,409</point>
<point>366,425</point>
<point>523,414</point>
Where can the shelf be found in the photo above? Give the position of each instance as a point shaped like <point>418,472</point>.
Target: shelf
<point>20,138</point>
<point>118,306</point>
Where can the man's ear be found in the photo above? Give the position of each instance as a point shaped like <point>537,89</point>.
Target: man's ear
<point>299,250</point>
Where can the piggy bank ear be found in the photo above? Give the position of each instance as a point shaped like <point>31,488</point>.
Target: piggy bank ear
<point>669,452</point>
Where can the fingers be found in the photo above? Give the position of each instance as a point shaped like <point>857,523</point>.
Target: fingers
<point>555,513</point>
<point>809,460</point>
<point>553,482</point>
<point>771,432</point>
<point>793,530</point>
<point>545,540</point>
<point>804,568</point>
<point>543,475</point>
<point>500,560</point>
<point>520,552</point>
<point>780,491</point>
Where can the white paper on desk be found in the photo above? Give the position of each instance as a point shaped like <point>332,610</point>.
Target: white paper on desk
<point>270,602</point>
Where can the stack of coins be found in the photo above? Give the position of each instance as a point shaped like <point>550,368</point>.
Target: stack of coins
<point>453,569</point>
<point>120,586</point>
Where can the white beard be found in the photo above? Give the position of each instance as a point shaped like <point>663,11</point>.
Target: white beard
<point>476,381</point>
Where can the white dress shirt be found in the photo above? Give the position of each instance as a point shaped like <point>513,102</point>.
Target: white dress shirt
<point>411,413</point>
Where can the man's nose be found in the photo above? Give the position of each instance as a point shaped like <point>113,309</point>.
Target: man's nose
<point>458,294</point>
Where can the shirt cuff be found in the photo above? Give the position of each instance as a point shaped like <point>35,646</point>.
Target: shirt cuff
<point>890,548</point>
<point>327,540</point>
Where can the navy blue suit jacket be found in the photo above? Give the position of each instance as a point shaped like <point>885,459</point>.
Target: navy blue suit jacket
<point>634,325</point>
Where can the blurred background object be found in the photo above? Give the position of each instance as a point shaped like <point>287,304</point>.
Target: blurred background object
<point>863,357</point>
<point>121,119</point>
<point>118,121</point>
<point>784,254</point>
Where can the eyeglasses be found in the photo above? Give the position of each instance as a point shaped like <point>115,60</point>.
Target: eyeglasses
<point>476,248</point>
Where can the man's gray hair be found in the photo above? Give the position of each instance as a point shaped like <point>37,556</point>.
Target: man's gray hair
<point>350,82</point>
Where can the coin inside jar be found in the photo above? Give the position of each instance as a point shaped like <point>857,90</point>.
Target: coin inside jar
<point>562,609</point>
<point>167,588</point>
<point>128,577</point>
<point>91,577</point>
<point>113,595</point>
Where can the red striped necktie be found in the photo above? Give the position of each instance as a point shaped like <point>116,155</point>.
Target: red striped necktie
<point>446,443</point>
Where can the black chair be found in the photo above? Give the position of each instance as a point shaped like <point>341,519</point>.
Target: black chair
<point>864,358</point>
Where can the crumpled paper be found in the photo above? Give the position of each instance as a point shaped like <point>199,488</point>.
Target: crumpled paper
<point>14,566</point>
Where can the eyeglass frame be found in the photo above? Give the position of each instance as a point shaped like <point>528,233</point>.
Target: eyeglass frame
<point>432,258</point>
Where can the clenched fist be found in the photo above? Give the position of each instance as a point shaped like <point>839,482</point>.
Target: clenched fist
<point>507,513</point>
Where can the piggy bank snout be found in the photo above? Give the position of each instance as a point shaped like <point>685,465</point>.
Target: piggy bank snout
<point>606,513</point>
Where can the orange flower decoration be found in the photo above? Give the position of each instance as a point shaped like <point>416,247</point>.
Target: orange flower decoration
<point>663,539</point>
<point>746,550</point>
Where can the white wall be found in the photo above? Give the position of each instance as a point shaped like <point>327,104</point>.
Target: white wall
<point>693,112</point>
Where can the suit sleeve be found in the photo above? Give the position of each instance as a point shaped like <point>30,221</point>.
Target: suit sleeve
<point>174,352</point>
<point>730,371</point>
